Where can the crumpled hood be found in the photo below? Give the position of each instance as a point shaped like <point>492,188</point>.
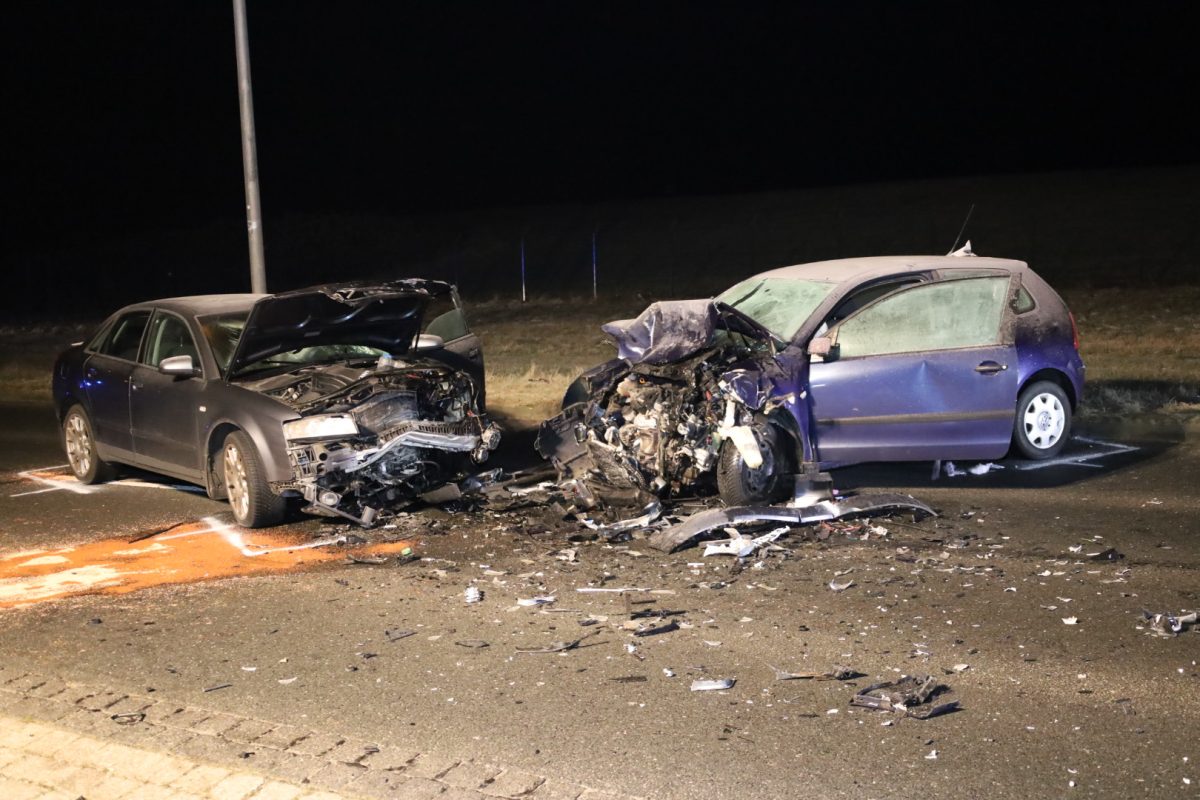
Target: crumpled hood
<point>666,331</point>
<point>382,315</point>
<point>671,330</point>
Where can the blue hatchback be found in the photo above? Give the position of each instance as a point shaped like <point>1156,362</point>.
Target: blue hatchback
<point>813,366</point>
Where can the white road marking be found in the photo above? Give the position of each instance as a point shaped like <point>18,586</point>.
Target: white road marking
<point>233,536</point>
<point>1111,449</point>
<point>72,485</point>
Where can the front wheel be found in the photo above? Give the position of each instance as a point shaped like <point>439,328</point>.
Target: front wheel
<point>80,443</point>
<point>254,504</point>
<point>739,485</point>
<point>1043,423</point>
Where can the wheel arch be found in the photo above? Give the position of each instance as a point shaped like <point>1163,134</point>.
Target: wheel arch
<point>212,452</point>
<point>1055,376</point>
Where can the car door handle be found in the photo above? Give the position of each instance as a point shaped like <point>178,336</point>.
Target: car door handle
<point>990,368</point>
<point>135,385</point>
<point>92,373</point>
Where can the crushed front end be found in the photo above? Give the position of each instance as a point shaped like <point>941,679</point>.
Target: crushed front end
<point>373,439</point>
<point>653,422</point>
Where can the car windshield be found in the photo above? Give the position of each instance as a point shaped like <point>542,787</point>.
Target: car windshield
<point>781,305</point>
<point>223,332</point>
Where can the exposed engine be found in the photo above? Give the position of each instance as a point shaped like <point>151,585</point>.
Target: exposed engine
<point>653,428</point>
<point>372,438</point>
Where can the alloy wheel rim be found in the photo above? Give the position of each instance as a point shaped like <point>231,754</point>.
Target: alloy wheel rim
<point>79,445</point>
<point>1044,421</point>
<point>236,484</point>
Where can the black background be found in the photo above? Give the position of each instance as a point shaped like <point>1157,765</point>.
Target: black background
<point>123,116</point>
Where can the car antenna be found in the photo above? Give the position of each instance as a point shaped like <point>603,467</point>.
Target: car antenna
<point>962,230</point>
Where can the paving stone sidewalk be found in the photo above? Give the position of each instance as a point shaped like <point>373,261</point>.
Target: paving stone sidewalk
<point>68,740</point>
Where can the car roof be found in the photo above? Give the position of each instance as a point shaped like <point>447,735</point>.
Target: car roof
<point>860,269</point>
<point>201,304</point>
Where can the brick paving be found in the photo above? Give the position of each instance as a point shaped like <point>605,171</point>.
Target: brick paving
<point>63,741</point>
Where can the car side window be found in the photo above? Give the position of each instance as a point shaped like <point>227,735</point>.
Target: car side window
<point>935,316</point>
<point>444,318</point>
<point>169,337</point>
<point>125,336</point>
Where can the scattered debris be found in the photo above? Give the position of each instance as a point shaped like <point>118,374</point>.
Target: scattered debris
<point>1070,620</point>
<point>397,635</point>
<point>218,686</point>
<point>472,594</point>
<point>902,695</point>
<point>1168,625</point>
<point>1110,554</point>
<point>540,600</point>
<point>678,536</point>
<point>713,685</point>
<point>953,471</point>
<point>132,718</point>
<point>741,546</point>
<point>353,558</point>
<point>474,644</point>
<point>558,647</point>
<point>286,681</point>
<point>838,673</point>
<point>840,587</point>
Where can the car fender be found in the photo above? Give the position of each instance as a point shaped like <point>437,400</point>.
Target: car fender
<point>259,417</point>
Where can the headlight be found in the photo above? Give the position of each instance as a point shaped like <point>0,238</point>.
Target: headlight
<point>322,426</point>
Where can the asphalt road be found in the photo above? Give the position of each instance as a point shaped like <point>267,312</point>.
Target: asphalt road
<point>1094,708</point>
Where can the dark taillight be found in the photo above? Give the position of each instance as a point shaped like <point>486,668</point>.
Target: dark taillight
<point>1074,330</point>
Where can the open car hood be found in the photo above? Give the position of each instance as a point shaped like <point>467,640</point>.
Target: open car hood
<point>672,330</point>
<point>382,315</point>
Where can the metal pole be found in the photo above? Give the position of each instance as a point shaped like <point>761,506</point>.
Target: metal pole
<point>258,269</point>
<point>522,269</point>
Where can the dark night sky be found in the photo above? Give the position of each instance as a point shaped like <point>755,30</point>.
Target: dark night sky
<point>123,115</point>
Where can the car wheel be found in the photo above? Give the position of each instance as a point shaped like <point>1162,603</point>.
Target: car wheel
<point>739,485</point>
<point>80,443</point>
<point>1043,422</point>
<point>254,504</point>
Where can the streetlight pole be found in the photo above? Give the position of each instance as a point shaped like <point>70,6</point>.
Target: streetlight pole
<point>258,269</point>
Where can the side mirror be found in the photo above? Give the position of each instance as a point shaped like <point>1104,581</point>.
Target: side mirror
<point>820,346</point>
<point>179,366</point>
<point>429,341</point>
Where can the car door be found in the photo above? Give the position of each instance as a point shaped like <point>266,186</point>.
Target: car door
<point>164,409</point>
<point>106,383</point>
<point>927,372</point>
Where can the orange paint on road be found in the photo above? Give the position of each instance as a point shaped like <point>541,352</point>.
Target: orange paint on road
<point>199,551</point>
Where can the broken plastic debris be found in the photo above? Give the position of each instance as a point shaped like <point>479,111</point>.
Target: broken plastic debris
<point>742,546</point>
<point>838,673</point>
<point>953,471</point>
<point>712,685</point>
<point>1070,620</point>
<point>472,594</point>
<point>540,600</point>
<point>840,587</point>
<point>900,696</point>
<point>1111,554</point>
<point>1168,625</point>
<point>286,681</point>
<point>557,647</point>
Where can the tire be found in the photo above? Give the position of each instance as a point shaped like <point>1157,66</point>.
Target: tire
<point>79,443</point>
<point>253,503</point>
<point>739,485</point>
<point>1043,421</point>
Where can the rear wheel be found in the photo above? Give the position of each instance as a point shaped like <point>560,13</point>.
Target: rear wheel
<point>254,504</point>
<point>739,485</point>
<point>1043,423</point>
<point>80,444</point>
